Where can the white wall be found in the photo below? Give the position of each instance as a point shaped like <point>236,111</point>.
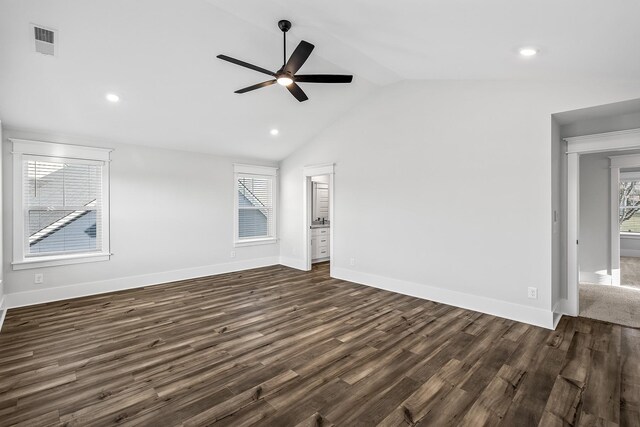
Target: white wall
<point>459,175</point>
<point>171,218</point>
<point>594,256</point>
<point>2,308</point>
<point>558,216</point>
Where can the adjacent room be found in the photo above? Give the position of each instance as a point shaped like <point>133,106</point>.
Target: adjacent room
<point>279,213</point>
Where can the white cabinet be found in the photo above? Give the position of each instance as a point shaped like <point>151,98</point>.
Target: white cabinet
<point>320,243</point>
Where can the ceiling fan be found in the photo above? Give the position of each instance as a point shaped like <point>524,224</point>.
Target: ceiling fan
<point>286,75</point>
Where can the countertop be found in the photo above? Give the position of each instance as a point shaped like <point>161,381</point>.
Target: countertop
<point>320,225</point>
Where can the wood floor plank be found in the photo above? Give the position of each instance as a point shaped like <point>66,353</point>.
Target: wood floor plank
<point>280,347</point>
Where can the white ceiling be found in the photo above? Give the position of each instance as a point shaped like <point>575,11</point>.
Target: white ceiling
<point>159,56</point>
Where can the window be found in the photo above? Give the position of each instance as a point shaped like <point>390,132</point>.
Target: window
<point>255,193</point>
<point>629,197</point>
<point>61,206</point>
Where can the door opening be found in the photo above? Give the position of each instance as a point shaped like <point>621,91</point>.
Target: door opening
<point>318,215</point>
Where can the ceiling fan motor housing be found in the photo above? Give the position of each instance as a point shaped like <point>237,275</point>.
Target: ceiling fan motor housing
<point>284,25</point>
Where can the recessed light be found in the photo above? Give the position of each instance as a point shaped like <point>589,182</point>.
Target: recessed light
<point>528,51</point>
<point>112,97</point>
<point>274,132</point>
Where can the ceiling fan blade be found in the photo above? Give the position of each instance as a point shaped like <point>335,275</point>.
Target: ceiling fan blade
<point>246,65</point>
<point>254,87</point>
<point>323,78</point>
<point>297,92</point>
<point>298,57</point>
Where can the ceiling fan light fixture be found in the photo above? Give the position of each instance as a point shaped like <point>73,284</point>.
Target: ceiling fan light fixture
<point>285,81</point>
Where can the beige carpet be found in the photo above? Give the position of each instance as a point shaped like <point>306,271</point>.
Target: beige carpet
<point>615,304</point>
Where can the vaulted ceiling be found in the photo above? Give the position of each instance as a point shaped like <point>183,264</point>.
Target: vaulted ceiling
<point>159,56</point>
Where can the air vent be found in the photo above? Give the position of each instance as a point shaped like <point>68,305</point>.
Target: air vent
<point>44,39</point>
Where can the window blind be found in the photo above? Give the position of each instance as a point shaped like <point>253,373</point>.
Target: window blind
<point>255,207</point>
<point>63,206</point>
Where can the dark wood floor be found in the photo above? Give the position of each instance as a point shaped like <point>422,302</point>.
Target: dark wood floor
<point>276,346</point>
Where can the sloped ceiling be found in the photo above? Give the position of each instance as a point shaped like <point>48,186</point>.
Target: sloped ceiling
<point>159,56</point>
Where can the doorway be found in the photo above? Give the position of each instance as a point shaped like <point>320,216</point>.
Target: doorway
<point>593,280</point>
<point>318,212</point>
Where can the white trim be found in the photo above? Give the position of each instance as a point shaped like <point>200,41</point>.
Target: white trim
<point>573,231</point>
<point>635,253</point>
<point>629,176</point>
<point>596,278</point>
<point>254,169</point>
<point>616,163</point>
<point>521,313</point>
<point>627,161</point>
<point>39,262</point>
<point>55,149</point>
<point>322,169</point>
<point>614,232</point>
<point>620,140</point>
<point>307,173</point>
<point>255,242</point>
<point>3,311</point>
<point>20,299</point>
<point>611,141</point>
<point>3,314</point>
<point>296,263</point>
<point>26,149</point>
<point>630,236</point>
<point>250,171</point>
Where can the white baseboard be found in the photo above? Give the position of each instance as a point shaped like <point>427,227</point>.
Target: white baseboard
<point>597,278</point>
<point>3,311</point>
<point>630,252</point>
<point>296,263</point>
<point>20,299</point>
<point>521,313</point>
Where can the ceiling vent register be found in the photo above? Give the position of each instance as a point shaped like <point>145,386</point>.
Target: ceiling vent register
<point>44,40</point>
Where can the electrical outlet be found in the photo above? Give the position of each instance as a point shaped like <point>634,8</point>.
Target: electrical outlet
<point>233,254</point>
<point>352,261</point>
<point>38,278</point>
<point>532,293</point>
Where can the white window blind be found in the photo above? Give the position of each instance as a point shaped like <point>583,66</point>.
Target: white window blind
<point>255,207</point>
<point>255,204</point>
<point>63,206</point>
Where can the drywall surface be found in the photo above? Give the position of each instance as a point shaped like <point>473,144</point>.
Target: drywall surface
<point>601,125</point>
<point>558,215</point>
<point>171,218</point>
<point>446,185</point>
<point>1,238</point>
<point>594,256</point>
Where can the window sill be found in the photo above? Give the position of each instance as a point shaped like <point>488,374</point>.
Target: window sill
<point>630,235</point>
<point>52,261</point>
<point>254,242</point>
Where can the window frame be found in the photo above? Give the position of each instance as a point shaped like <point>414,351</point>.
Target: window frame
<point>251,171</point>
<point>24,150</point>
<point>627,177</point>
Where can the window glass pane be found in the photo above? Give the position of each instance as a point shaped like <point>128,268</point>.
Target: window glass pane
<point>255,202</point>
<point>62,231</point>
<point>63,207</point>
<point>629,212</point>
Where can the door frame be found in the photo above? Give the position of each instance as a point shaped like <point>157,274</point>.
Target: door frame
<point>577,146</point>
<point>307,173</point>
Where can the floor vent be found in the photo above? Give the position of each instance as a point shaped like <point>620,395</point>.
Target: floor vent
<point>45,40</point>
